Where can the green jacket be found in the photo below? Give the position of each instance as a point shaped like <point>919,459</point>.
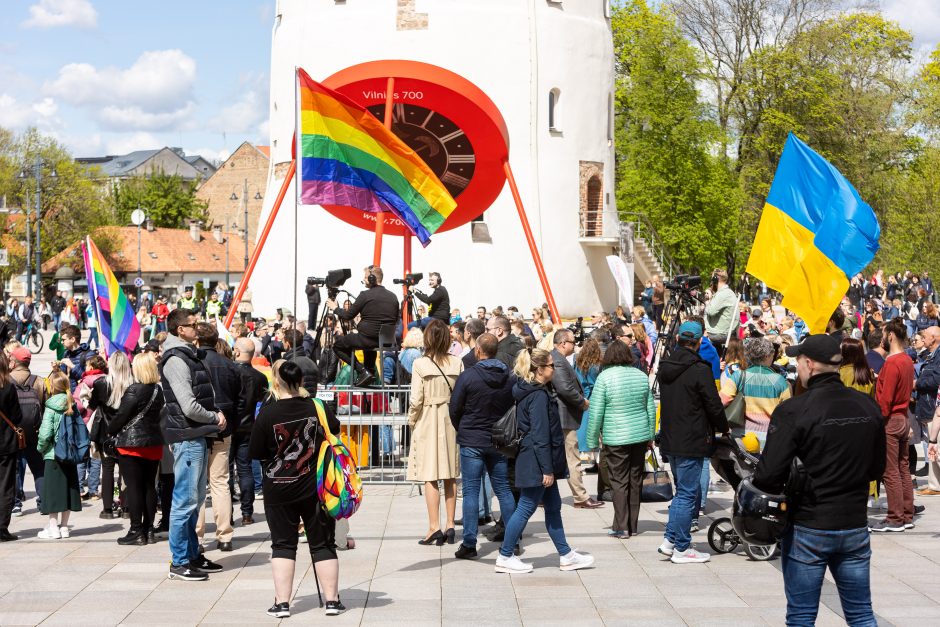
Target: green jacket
<point>622,408</point>
<point>51,417</point>
<point>56,345</point>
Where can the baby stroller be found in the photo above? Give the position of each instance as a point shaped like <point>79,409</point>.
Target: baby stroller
<point>734,464</point>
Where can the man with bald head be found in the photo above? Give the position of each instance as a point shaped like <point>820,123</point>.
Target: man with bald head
<point>928,380</point>
<point>254,387</point>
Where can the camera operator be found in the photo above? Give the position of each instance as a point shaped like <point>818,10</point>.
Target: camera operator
<point>720,312</point>
<point>438,302</point>
<point>376,306</point>
<point>313,303</point>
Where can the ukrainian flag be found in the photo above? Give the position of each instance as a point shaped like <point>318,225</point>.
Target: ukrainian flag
<point>814,235</point>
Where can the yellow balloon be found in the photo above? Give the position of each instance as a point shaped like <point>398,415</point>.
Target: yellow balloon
<point>750,442</point>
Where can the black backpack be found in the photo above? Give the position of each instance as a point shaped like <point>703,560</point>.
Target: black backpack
<point>505,434</point>
<point>31,408</point>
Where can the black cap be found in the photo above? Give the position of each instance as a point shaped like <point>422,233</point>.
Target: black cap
<point>826,349</point>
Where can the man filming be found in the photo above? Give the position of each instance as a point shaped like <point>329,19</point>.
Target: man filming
<point>376,306</point>
<point>438,302</point>
<point>720,312</point>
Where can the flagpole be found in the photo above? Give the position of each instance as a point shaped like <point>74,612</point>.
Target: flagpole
<point>380,217</point>
<point>298,155</point>
<point>93,293</point>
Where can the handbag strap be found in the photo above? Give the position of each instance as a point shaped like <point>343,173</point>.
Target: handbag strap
<point>446,380</point>
<point>9,422</point>
<point>143,413</point>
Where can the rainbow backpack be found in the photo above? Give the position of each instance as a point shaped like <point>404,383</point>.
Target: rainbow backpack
<point>338,484</point>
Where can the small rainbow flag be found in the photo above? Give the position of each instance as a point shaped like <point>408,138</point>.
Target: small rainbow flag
<point>116,320</point>
<point>348,158</point>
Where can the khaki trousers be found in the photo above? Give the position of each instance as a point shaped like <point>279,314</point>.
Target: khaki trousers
<point>218,488</point>
<point>573,457</point>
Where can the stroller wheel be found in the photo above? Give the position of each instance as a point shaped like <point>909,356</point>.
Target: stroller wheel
<point>721,536</point>
<point>761,553</point>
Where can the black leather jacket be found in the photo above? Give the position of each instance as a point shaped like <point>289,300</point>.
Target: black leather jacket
<point>130,426</point>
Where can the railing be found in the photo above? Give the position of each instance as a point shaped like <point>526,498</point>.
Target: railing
<point>592,223</point>
<point>644,229</point>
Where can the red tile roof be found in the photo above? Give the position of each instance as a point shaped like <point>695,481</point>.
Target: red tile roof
<point>266,150</point>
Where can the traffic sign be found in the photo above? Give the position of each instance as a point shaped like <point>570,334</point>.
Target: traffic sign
<point>138,282</point>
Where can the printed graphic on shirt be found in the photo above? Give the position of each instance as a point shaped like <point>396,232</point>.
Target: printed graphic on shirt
<point>295,450</point>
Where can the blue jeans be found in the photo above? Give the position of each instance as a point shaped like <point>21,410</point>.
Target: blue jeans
<point>93,337</point>
<point>474,464</point>
<point>486,496</point>
<point>89,475</point>
<point>703,488</point>
<point>190,470</point>
<point>687,474</point>
<point>246,478</point>
<point>421,324</point>
<point>528,501</point>
<point>257,472</point>
<point>806,554</point>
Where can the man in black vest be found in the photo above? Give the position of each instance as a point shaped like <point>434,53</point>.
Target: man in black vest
<point>191,416</point>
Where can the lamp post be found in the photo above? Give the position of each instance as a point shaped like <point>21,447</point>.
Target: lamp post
<point>137,217</point>
<point>244,198</point>
<point>37,175</point>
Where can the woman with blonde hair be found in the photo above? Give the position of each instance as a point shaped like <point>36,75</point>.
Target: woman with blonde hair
<point>540,463</point>
<point>643,343</point>
<point>106,395</point>
<point>138,441</point>
<point>60,480</point>
<point>547,342</point>
<point>434,454</point>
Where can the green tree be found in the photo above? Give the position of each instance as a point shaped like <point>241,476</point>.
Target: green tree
<point>168,200</point>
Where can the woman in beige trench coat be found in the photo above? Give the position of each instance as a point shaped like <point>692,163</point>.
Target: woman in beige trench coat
<point>434,453</point>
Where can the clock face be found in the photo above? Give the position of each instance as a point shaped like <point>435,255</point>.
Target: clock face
<point>438,141</point>
<point>447,120</point>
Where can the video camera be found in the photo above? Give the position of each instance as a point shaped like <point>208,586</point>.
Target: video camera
<point>333,280</point>
<point>410,280</point>
<point>578,329</point>
<point>684,283</point>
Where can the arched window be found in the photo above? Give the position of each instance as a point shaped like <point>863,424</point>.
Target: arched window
<point>594,214</point>
<point>554,110</point>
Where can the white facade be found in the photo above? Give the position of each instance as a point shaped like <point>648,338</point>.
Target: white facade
<point>517,52</point>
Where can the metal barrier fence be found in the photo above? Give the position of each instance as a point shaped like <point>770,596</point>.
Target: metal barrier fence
<point>375,428</point>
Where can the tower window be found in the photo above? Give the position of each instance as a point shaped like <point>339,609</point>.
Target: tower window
<point>554,110</point>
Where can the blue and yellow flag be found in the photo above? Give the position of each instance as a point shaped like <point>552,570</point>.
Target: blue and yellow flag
<point>814,235</point>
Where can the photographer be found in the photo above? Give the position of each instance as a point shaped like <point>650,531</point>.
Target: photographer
<point>438,302</point>
<point>720,310</point>
<point>376,306</point>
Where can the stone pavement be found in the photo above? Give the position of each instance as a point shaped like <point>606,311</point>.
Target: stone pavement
<point>389,579</point>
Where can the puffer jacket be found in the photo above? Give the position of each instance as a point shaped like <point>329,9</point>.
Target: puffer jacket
<point>56,407</point>
<point>131,432</point>
<point>622,408</point>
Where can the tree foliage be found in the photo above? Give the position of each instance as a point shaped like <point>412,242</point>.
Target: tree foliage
<point>168,200</point>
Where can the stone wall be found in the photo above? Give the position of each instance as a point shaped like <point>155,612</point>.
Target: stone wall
<point>408,18</point>
<point>247,162</point>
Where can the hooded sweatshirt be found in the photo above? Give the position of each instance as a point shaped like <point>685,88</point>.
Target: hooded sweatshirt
<point>691,410</point>
<point>481,396</point>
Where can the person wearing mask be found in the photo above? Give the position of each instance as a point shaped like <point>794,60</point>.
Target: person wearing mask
<point>438,302</point>
<point>31,395</point>
<point>226,386</point>
<point>509,345</point>
<point>106,395</point>
<point>191,416</point>
<point>623,413</point>
<point>60,496</point>
<point>571,406</point>
<point>135,428</point>
<point>286,438</point>
<point>893,393</point>
<point>691,413</point>
<point>540,463</point>
<point>481,396</point>
<point>434,456</point>
<point>720,311</point>
<point>11,419</point>
<point>839,435</point>
<point>376,307</point>
<point>254,387</point>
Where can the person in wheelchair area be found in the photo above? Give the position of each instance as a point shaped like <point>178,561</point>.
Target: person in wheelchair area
<point>838,434</point>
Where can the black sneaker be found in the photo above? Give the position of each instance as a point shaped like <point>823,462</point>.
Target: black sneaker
<point>335,608</point>
<point>919,509</point>
<point>205,565</point>
<point>187,573</point>
<point>464,552</point>
<point>280,610</point>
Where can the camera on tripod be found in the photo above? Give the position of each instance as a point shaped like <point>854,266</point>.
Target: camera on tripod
<point>333,280</point>
<point>410,280</point>
<point>684,283</point>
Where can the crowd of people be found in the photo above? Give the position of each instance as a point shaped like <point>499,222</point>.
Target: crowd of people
<point>190,414</point>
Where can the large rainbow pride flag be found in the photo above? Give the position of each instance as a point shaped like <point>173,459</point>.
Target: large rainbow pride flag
<point>116,320</point>
<point>348,158</point>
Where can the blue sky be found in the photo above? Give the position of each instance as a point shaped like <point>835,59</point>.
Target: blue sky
<point>108,77</point>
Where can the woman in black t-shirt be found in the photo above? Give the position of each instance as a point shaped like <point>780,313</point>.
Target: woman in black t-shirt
<point>286,438</point>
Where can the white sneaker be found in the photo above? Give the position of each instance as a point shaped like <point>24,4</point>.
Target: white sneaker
<point>689,556</point>
<point>666,548</point>
<point>575,561</point>
<point>49,533</point>
<point>64,532</point>
<point>511,564</point>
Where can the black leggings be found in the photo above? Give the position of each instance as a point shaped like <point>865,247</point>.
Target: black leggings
<point>107,482</point>
<point>167,482</point>
<point>140,497</point>
<point>284,520</point>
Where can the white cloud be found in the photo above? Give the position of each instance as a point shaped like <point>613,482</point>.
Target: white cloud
<point>129,142</point>
<point>52,13</point>
<point>242,115</point>
<point>264,131</point>
<point>921,17</point>
<point>155,93</point>
<point>18,115</point>
<point>212,154</point>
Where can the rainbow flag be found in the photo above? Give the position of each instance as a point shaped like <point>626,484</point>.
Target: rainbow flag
<point>348,158</point>
<point>814,235</point>
<point>116,320</point>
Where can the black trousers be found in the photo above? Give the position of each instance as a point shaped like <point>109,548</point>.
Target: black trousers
<point>107,481</point>
<point>283,521</point>
<point>167,483</point>
<point>140,496</point>
<point>37,466</point>
<point>346,345</point>
<point>7,488</point>
<point>626,465</point>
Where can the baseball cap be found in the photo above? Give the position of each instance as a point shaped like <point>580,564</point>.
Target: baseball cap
<point>690,331</point>
<point>22,355</point>
<point>826,349</point>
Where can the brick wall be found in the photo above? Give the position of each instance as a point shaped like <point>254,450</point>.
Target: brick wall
<point>247,162</point>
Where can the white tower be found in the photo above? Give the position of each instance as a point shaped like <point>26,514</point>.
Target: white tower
<point>546,65</point>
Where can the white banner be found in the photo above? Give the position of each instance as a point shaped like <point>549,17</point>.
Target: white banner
<point>623,275</point>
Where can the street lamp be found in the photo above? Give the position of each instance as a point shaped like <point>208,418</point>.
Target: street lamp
<point>137,217</point>
<point>37,175</point>
<point>244,198</point>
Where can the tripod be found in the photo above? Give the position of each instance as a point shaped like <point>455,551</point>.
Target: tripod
<point>680,306</point>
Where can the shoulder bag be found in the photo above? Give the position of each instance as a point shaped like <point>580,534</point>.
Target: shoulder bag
<point>734,411</point>
<point>446,380</point>
<point>109,446</point>
<point>20,434</point>
<point>657,485</point>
